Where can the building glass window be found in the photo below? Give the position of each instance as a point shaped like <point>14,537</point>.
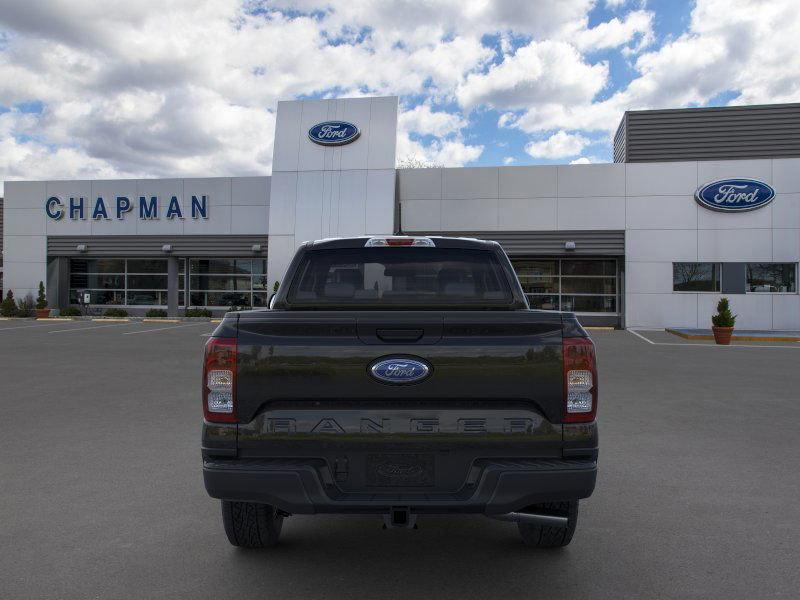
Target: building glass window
<point>696,277</point>
<point>576,285</point>
<point>772,277</point>
<point>224,282</point>
<point>123,282</point>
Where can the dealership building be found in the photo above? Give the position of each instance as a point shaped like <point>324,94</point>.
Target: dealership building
<point>699,203</point>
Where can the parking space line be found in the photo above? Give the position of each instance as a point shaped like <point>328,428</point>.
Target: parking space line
<point>28,326</point>
<point>641,337</point>
<point>162,328</point>
<point>88,328</point>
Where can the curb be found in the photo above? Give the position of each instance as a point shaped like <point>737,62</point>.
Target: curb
<point>111,320</point>
<point>735,338</point>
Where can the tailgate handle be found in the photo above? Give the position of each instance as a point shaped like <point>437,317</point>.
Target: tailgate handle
<point>400,335</point>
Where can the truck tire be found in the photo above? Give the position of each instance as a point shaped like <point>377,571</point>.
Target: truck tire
<point>251,525</point>
<point>542,536</point>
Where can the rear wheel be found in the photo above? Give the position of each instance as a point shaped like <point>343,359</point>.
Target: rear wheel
<point>542,536</point>
<point>251,525</point>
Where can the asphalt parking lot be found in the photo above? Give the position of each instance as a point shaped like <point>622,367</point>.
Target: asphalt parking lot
<point>101,492</point>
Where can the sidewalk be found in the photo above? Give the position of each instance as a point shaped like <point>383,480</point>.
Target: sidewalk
<point>739,335</point>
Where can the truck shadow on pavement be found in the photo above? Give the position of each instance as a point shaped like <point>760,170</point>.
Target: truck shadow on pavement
<point>350,557</point>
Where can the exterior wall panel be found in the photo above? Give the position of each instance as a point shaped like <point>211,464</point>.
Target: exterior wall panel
<point>331,191</point>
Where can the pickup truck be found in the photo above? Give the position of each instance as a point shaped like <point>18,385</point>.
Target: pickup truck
<point>400,376</point>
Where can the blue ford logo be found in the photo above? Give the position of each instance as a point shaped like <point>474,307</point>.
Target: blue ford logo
<point>333,133</point>
<point>399,370</point>
<point>735,195</point>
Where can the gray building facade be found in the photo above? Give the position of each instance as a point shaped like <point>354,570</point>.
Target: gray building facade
<point>716,133</point>
<point>653,240</point>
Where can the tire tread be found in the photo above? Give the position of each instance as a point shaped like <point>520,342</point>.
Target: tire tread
<point>251,525</point>
<point>542,536</point>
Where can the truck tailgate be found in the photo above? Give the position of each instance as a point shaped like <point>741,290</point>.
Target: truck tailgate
<point>504,358</point>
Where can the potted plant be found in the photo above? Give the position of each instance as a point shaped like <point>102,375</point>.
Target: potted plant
<point>42,312</point>
<point>723,322</point>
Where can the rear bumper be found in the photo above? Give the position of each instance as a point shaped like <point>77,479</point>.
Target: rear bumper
<point>305,486</point>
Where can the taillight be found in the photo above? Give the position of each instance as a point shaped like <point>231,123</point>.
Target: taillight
<point>580,380</point>
<point>219,380</point>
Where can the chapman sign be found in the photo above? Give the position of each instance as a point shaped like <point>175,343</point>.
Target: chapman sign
<point>333,133</point>
<point>735,195</point>
<point>147,208</point>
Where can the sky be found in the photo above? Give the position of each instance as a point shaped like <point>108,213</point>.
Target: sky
<point>181,88</point>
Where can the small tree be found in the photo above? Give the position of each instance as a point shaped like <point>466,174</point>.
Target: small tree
<point>414,162</point>
<point>724,316</point>
<point>25,306</point>
<point>41,299</point>
<point>8,308</point>
<point>275,287</point>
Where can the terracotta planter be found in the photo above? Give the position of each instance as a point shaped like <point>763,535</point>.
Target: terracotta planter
<point>42,313</point>
<point>722,335</point>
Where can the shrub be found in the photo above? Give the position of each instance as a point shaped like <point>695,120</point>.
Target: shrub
<point>8,308</point>
<point>197,312</point>
<point>41,299</point>
<point>115,312</point>
<point>724,316</point>
<point>71,311</point>
<point>237,308</point>
<point>156,312</point>
<point>25,306</point>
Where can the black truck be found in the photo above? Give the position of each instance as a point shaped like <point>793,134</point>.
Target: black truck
<point>400,376</point>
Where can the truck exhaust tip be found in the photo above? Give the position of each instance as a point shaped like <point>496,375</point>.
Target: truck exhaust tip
<point>541,519</point>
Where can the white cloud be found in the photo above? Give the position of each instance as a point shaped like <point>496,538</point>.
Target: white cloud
<point>745,47</point>
<point>447,153</point>
<point>587,160</point>
<point>188,87</point>
<point>509,160</point>
<point>423,120</point>
<point>616,32</point>
<point>547,71</point>
<point>559,145</point>
<point>447,149</point>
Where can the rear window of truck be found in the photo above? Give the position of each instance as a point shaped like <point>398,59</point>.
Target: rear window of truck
<point>410,277</point>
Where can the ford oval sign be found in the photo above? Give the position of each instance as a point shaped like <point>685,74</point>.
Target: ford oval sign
<point>735,195</point>
<point>399,370</point>
<point>333,133</point>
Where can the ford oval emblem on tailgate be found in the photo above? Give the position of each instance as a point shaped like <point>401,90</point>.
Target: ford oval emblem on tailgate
<point>399,370</point>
